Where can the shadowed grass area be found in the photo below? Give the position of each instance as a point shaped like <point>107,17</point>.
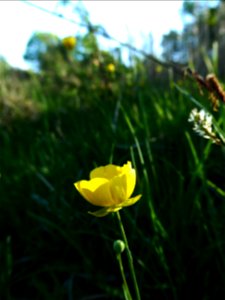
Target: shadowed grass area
<point>52,249</point>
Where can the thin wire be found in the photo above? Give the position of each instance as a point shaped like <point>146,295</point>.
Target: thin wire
<point>178,68</point>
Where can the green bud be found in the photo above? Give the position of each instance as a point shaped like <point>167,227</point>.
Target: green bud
<point>119,246</point>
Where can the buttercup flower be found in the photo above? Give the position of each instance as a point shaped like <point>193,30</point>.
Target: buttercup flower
<point>69,42</point>
<point>109,187</point>
<point>111,68</point>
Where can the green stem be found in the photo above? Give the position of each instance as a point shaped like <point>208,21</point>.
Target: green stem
<point>129,255</point>
<point>125,285</point>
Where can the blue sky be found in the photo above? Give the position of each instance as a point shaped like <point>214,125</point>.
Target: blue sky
<point>128,21</point>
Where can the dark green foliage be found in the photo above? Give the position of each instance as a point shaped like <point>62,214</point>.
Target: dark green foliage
<point>81,116</point>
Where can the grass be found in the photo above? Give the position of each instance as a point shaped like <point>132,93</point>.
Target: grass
<point>50,248</point>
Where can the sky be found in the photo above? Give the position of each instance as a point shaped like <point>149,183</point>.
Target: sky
<point>127,21</point>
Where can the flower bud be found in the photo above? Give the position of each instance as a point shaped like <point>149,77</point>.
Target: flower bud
<point>111,68</point>
<point>119,246</point>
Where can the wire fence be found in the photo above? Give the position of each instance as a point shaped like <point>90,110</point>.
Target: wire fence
<point>100,31</point>
<point>212,86</point>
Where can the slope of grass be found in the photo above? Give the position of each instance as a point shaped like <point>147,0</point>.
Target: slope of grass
<point>51,248</point>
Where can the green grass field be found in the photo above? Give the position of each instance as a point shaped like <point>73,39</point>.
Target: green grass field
<point>51,248</point>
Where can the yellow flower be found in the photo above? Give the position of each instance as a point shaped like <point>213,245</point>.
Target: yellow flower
<point>159,69</point>
<point>111,68</point>
<point>69,42</point>
<point>109,187</point>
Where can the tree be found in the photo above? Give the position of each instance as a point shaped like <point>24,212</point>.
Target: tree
<point>203,33</point>
<point>41,49</point>
<point>172,46</point>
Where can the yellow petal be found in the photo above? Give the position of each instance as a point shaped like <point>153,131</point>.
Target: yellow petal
<point>107,172</point>
<point>127,167</point>
<point>122,186</point>
<point>95,191</point>
<point>131,201</point>
<point>130,182</point>
<point>118,187</point>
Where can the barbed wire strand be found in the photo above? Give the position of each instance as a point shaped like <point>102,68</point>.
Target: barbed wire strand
<point>215,92</point>
<point>177,68</point>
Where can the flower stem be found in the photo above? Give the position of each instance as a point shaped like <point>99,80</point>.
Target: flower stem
<point>129,255</point>
<point>126,290</point>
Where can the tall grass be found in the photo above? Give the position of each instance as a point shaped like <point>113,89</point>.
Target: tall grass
<point>50,248</point>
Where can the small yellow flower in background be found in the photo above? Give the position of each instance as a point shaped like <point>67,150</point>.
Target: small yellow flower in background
<point>109,187</point>
<point>69,42</point>
<point>159,69</point>
<point>111,68</point>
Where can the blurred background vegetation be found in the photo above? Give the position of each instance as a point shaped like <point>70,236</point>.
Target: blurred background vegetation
<point>81,107</point>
